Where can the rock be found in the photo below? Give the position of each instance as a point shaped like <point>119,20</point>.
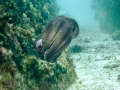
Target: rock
<point>75,49</point>
<point>86,40</point>
<point>116,35</point>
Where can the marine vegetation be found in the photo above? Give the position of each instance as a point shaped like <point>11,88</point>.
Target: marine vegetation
<point>21,23</point>
<point>57,36</point>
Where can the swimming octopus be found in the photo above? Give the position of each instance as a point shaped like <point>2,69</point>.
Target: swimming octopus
<point>56,37</point>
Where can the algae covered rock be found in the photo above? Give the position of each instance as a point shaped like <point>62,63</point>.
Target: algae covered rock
<point>75,48</point>
<point>42,75</point>
<point>21,22</point>
<point>116,35</point>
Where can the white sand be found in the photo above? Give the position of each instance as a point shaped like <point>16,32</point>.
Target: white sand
<point>98,65</point>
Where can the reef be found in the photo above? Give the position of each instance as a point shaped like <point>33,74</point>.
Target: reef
<point>21,22</point>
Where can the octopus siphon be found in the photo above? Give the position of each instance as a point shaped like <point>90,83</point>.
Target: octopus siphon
<point>56,37</point>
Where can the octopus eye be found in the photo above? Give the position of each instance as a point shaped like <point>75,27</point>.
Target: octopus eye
<point>73,29</point>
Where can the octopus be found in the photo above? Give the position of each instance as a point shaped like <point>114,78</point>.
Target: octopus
<point>56,37</point>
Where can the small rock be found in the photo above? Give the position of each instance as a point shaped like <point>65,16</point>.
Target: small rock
<point>116,35</point>
<point>86,40</point>
<point>76,49</point>
<point>118,77</point>
<point>117,57</point>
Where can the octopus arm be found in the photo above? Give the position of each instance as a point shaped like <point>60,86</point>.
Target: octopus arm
<point>60,49</point>
<point>50,36</point>
<point>60,43</point>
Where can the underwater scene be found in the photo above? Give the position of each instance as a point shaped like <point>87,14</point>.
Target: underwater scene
<point>59,45</point>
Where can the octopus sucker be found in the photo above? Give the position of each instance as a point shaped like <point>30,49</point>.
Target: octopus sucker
<point>56,37</point>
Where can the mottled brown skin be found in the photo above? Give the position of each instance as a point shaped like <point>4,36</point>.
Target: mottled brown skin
<point>57,36</point>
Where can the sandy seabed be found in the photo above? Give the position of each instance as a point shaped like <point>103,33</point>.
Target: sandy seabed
<point>98,65</point>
